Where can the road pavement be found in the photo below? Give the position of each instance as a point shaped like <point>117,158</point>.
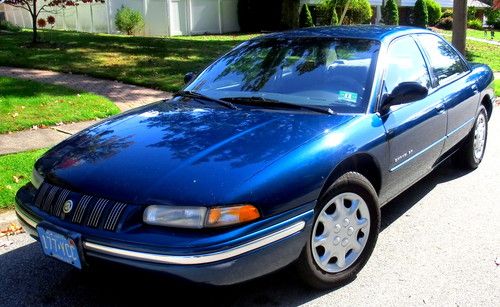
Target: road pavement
<point>440,245</point>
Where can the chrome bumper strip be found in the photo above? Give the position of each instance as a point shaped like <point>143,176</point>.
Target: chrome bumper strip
<point>28,220</point>
<point>188,259</point>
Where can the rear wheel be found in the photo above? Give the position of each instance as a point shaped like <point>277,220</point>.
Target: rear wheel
<point>344,233</point>
<point>472,152</point>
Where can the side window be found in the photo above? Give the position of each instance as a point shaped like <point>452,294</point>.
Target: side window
<point>444,60</point>
<point>405,64</point>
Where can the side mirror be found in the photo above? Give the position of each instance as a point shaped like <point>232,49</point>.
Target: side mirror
<point>405,92</point>
<point>189,77</point>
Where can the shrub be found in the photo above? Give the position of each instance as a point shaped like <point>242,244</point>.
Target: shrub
<point>420,14</point>
<point>493,16</point>
<point>290,14</point>
<point>445,23</point>
<point>41,23</point>
<point>8,26</point>
<point>434,10</point>
<point>391,13</point>
<point>129,21</point>
<point>360,11</point>
<point>305,18</point>
<point>471,13</point>
<point>447,13</point>
<point>475,24</point>
<point>258,15</point>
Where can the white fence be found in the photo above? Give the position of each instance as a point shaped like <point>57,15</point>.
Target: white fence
<point>162,17</point>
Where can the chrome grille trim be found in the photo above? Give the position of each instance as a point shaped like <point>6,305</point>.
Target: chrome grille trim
<point>50,198</point>
<point>57,209</point>
<point>88,210</point>
<point>113,216</point>
<point>41,195</point>
<point>97,212</point>
<point>80,209</point>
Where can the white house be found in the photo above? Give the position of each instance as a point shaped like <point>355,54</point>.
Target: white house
<point>162,17</point>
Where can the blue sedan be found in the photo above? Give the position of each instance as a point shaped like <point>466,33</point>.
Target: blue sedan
<point>281,151</point>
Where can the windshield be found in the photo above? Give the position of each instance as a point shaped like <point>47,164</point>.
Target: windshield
<point>328,72</point>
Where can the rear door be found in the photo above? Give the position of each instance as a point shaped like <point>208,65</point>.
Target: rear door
<point>415,130</point>
<point>458,91</point>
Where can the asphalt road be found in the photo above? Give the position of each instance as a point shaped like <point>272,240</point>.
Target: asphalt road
<point>439,246</point>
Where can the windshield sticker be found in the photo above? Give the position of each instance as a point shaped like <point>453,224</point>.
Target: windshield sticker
<point>348,96</point>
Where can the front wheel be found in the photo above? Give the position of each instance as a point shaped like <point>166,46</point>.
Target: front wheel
<point>345,230</point>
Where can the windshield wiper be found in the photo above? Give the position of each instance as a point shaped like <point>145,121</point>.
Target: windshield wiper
<point>262,101</point>
<point>196,95</point>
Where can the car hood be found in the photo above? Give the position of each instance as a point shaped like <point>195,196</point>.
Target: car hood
<point>179,153</point>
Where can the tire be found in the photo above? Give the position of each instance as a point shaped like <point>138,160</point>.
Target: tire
<point>467,156</point>
<point>344,190</point>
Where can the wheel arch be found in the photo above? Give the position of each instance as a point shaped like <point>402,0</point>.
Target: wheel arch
<point>362,163</point>
<point>488,104</point>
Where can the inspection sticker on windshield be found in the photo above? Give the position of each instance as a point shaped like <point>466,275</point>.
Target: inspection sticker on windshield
<point>348,96</point>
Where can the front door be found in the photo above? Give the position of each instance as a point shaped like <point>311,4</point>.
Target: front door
<point>415,130</point>
<point>459,92</point>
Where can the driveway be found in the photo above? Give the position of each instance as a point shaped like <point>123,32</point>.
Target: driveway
<point>439,246</point>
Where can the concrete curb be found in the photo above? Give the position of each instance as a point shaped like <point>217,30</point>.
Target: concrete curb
<point>8,218</point>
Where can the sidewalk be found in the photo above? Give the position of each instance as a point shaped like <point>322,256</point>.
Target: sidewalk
<point>125,96</point>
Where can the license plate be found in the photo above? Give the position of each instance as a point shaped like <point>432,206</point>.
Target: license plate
<point>60,246</point>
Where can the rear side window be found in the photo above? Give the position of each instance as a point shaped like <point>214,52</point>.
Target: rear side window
<point>405,63</point>
<point>445,61</point>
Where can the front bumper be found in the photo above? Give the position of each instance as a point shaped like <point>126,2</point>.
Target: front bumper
<point>264,251</point>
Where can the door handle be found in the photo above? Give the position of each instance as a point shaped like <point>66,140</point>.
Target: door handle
<point>474,88</point>
<point>440,107</point>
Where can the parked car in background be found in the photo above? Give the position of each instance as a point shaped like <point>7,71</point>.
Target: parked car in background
<point>282,151</point>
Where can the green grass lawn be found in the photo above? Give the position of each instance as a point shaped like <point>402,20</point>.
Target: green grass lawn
<point>24,104</point>
<point>15,171</point>
<point>476,34</point>
<point>149,61</point>
<point>482,53</point>
<point>497,88</point>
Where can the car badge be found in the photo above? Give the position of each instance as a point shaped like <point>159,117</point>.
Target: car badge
<point>68,206</point>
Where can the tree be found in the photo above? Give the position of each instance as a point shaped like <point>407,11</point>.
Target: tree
<point>35,7</point>
<point>391,13</point>
<point>434,11</point>
<point>357,11</point>
<point>420,14</point>
<point>459,27</point>
<point>335,18</point>
<point>128,20</point>
<point>305,19</point>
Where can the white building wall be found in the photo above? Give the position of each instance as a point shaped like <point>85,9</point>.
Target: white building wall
<point>162,17</point>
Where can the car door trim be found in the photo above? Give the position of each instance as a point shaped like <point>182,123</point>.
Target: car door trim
<point>432,145</point>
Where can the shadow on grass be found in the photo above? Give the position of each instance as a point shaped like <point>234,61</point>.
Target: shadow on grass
<point>149,61</point>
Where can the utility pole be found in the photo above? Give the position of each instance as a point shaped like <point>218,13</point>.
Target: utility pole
<point>459,24</point>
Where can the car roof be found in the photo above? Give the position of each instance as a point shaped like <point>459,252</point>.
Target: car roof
<point>374,32</point>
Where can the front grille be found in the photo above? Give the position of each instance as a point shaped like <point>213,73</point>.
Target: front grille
<point>87,210</point>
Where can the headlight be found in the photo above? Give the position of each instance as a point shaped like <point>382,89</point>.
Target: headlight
<point>36,178</point>
<point>199,217</point>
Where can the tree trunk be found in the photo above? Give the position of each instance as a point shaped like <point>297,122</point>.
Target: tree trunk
<point>346,7</point>
<point>35,35</point>
<point>459,24</point>
<point>33,17</point>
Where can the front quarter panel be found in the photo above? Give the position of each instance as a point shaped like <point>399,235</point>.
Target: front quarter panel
<point>299,177</point>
